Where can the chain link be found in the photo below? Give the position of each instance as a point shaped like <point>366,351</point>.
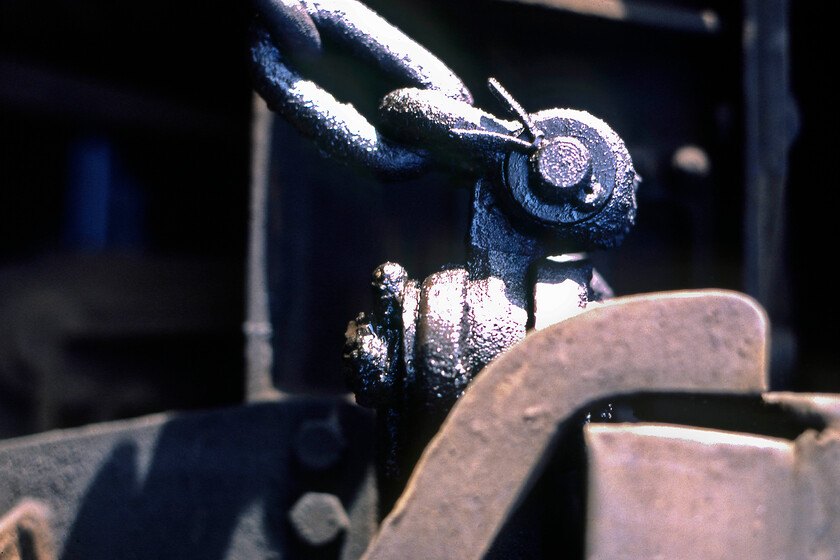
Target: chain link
<point>433,121</point>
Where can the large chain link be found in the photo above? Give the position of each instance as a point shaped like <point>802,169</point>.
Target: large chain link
<point>431,121</point>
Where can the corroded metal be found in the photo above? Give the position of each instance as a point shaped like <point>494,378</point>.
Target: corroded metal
<point>348,136</point>
<point>664,491</point>
<point>491,446</point>
<point>413,361</point>
<point>546,183</point>
<point>580,182</point>
<point>338,128</point>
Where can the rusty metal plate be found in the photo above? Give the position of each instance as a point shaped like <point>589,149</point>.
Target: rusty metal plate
<point>660,491</point>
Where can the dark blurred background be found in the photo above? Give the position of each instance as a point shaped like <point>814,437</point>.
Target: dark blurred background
<point>125,158</point>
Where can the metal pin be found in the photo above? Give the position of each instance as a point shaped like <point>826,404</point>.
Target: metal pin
<point>515,108</point>
<point>496,139</point>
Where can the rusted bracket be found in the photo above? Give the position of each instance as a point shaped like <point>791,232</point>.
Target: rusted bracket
<point>491,448</point>
<point>666,491</point>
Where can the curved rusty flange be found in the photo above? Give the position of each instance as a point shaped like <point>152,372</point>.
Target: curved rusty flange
<point>491,447</point>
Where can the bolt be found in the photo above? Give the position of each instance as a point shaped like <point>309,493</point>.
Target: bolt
<point>318,518</point>
<point>319,444</point>
<point>563,163</point>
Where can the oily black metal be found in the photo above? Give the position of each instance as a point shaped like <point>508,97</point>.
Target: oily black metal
<point>454,132</point>
<point>558,181</point>
<point>579,182</point>
<point>553,182</point>
<point>337,128</point>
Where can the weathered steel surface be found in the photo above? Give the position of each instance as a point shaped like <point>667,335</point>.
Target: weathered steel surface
<point>202,486</point>
<point>659,491</point>
<point>413,365</point>
<point>489,450</point>
<point>25,532</point>
<point>824,406</point>
<point>547,183</point>
<point>817,507</point>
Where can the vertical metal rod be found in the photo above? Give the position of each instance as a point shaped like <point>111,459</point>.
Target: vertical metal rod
<point>771,123</point>
<point>770,127</point>
<point>257,327</point>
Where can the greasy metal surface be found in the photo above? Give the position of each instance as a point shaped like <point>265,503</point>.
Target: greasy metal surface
<point>598,208</point>
<point>415,354</point>
<point>489,450</point>
<point>664,491</point>
<point>367,35</point>
<point>438,118</point>
<point>337,128</point>
<point>551,182</point>
<point>290,24</point>
<point>455,132</point>
<point>25,532</point>
<point>463,317</point>
<point>566,166</point>
<point>372,350</point>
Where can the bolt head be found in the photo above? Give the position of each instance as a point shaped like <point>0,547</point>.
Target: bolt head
<point>599,207</point>
<point>318,518</point>
<point>563,163</point>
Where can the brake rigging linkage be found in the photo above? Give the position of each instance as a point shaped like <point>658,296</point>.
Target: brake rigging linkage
<point>549,186</point>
